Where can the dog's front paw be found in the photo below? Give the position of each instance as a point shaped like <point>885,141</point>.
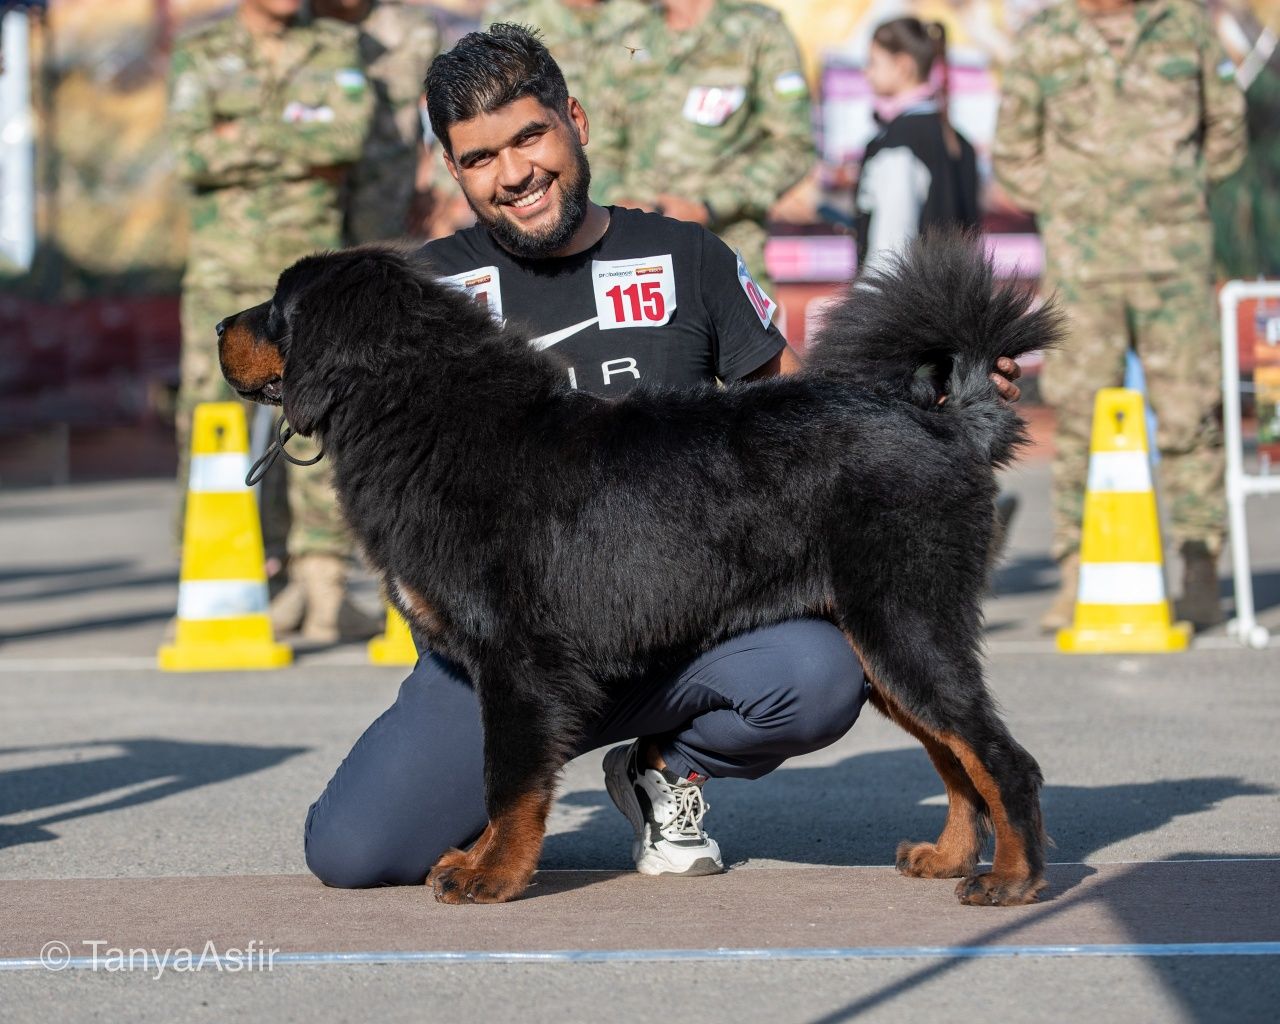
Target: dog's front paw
<point>925,860</point>
<point>993,890</point>
<point>462,884</point>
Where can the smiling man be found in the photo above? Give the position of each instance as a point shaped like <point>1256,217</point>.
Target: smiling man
<point>621,297</point>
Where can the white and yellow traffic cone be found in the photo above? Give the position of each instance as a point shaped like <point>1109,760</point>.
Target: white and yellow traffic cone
<point>1121,605</point>
<point>395,646</point>
<point>222,594</point>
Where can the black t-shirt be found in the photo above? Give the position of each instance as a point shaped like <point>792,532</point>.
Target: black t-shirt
<point>655,300</point>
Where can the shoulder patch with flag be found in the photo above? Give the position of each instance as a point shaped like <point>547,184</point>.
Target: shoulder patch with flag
<point>790,84</point>
<point>351,81</point>
<point>760,302</point>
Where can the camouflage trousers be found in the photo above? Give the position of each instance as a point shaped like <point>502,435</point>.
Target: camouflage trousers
<point>1171,323</point>
<point>307,521</point>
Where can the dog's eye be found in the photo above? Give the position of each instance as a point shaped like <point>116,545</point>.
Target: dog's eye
<point>275,323</point>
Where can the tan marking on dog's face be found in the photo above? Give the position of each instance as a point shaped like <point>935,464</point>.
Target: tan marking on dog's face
<point>249,362</point>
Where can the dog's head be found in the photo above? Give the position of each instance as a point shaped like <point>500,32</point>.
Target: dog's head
<point>336,321</point>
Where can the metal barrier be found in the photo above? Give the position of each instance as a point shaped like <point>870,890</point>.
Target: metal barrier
<point>1240,485</point>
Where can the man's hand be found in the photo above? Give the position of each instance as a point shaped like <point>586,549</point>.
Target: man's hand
<point>683,209</point>
<point>226,129</point>
<point>1007,371</point>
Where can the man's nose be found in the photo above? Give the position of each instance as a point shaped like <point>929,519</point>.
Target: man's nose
<point>515,170</point>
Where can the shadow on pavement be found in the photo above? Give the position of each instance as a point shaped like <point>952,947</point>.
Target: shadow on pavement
<point>44,572</point>
<point>1025,575</point>
<point>136,771</point>
<point>855,811</point>
<point>90,582</point>
<point>1154,906</point>
<point>1266,590</point>
<point>89,624</point>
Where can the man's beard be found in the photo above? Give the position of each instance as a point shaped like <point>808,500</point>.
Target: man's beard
<point>549,241</point>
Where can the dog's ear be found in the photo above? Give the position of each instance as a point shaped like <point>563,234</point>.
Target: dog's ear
<point>342,323</point>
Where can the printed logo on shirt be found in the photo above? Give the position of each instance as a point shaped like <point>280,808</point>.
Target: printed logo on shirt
<point>634,293</point>
<point>483,285</point>
<point>760,302</point>
<point>712,105</point>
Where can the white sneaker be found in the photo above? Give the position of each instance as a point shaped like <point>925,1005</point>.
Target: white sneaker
<point>666,813</point>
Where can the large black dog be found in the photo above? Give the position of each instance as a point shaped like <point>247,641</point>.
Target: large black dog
<point>560,545</point>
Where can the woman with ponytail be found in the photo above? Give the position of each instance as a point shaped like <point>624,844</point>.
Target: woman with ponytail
<point>918,172</point>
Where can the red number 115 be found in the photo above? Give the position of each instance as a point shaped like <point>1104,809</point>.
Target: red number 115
<point>645,301</point>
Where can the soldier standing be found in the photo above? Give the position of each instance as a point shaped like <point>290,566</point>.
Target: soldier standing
<point>267,112</point>
<point>397,43</point>
<point>1116,115</point>
<point>712,118</point>
<point>381,201</point>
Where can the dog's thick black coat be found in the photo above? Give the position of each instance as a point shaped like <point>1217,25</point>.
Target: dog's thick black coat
<point>560,545</point>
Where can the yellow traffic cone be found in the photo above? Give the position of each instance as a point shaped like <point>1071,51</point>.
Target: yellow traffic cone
<point>395,646</point>
<point>1121,605</point>
<point>222,594</point>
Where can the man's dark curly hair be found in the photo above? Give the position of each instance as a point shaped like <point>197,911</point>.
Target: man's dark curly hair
<point>488,70</point>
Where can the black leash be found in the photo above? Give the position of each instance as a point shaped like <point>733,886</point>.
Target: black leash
<point>274,450</point>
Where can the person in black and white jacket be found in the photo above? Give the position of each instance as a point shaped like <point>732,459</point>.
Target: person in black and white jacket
<point>918,172</point>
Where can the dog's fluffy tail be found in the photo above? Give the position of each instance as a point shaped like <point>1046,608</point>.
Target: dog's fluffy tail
<point>932,321</point>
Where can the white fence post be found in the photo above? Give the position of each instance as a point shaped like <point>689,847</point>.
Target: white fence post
<point>1240,485</point>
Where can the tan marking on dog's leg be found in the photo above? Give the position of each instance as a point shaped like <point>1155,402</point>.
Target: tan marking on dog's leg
<point>458,858</point>
<point>499,869</point>
<point>956,851</point>
<point>1011,880</point>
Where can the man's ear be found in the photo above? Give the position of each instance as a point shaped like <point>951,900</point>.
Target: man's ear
<point>448,162</point>
<point>578,120</point>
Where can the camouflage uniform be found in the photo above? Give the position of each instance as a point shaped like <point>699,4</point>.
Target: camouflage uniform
<point>1246,207</point>
<point>397,43</point>
<point>719,113</point>
<point>589,44</point>
<point>257,204</point>
<point>1115,153</point>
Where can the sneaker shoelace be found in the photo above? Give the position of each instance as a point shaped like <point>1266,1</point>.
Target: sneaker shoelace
<point>690,807</point>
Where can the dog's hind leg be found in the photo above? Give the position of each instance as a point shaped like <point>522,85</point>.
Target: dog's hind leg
<point>956,851</point>
<point>932,678</point>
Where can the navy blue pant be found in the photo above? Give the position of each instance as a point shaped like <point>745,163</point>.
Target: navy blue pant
<point>413,785</point>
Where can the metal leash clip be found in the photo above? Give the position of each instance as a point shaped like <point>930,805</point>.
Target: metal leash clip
<point>274,450</point>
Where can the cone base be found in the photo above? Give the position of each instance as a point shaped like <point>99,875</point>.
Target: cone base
<point>393,650</point>
<point>223,657</point>
<point>1125,640</point>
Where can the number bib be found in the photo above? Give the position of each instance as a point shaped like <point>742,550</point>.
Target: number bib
<point>634,293</point>
<point>483,284</point>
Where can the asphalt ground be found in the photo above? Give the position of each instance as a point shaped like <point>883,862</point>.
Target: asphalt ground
<point>162,812</point>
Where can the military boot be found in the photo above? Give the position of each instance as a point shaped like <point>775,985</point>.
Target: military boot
<point>1199,604</point>
<point>1062,612</point>
<point>329,615</point>
<point>288,607</point>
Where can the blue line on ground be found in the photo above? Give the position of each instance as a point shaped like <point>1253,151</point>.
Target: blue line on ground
<point>268,960</point>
